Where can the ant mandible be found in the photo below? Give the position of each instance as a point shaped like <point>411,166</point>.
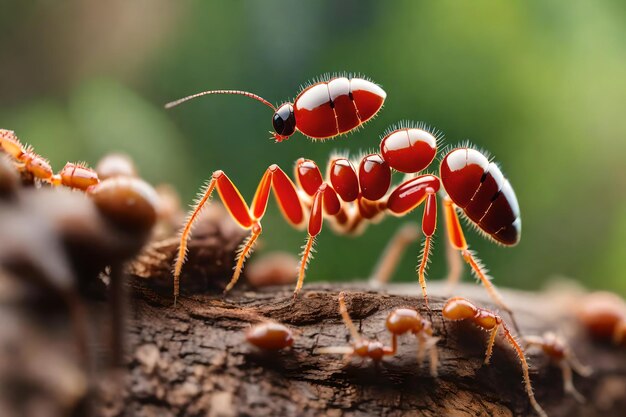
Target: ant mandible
<point>557,350</point>
<point>353,198</point>
<point>324,109</point>
<point>360,346</point>
<point>458,308</point>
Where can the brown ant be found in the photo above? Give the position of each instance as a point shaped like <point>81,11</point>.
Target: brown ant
<point>458,308</point>
<point>361,347</point>
<point>604,315</point>
<point>73,175</point>
<point>405,320</point>
<point>270,336</point>
<point>557,350</point>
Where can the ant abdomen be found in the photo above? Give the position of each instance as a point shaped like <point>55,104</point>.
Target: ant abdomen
<point>479,188</point>
<point>270,336</point>
<point>78,176</point>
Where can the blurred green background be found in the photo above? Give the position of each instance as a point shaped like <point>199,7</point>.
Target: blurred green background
<point>541,85</point>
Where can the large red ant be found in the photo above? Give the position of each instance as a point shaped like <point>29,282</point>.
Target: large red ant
<point>459,308</point>
<point>322,110</point>
<point>352,198</point>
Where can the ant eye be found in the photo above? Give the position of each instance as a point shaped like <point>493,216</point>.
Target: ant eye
<point>284,120</point>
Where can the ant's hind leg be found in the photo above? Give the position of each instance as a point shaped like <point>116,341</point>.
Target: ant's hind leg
<point>457,239</point>
<point>455,267</point>
<point>568,382</point>
<point>389,259</point>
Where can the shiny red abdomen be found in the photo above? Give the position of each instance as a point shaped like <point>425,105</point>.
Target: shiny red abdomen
<point>328,109</point>
<point>478,187</point>
<point>409,150</point>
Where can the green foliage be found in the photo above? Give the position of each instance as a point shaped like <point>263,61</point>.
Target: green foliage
<point>539,84</point>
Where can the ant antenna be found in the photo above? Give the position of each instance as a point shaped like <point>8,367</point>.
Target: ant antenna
<point>205,93</point>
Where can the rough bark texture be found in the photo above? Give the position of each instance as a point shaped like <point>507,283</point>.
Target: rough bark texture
<point>193,360</point>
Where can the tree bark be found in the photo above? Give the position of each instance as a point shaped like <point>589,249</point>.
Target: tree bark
<point>193,360</point>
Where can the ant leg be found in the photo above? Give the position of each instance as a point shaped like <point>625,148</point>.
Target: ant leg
<point>343,310</point>
<point>429,224</point>
<point>492,341</point>
<point>390,257</point>
<point>578,367</point>
<point>522,358</point>
<point>186,231</point>
<point>455,265</point>
<point>324,200</point>
<point>421,347</point>
<point>259,205</point>
<point>286,196</point>
<point>568,384</point>
<point>394,345</point>
<point>434,356</point>
<point>457,239</point>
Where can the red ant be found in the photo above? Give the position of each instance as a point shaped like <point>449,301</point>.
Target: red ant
<point>361,347</point>
<point>322,110</point>
<point>604,316</point>
<point>352,200</point>
<point>270,336</point>
<point>557,350</point>
<point>459,308</point>
<point>407,320</point>
<point>72,175</point>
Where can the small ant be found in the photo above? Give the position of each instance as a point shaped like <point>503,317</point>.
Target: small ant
<point>403,320</point>
<point>351,199</point>
<point>322,110</point>
<point>604,315</point>
<point>361,347</point>
<point>557,350</point>
<point>72,175</point>
<point>458,308</point>
<point>270,336</point>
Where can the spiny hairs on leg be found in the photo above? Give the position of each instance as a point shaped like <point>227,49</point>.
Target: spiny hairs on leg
<point>203,196</point>
<point>424,261</point>
<point>306,256</point>
<point>243,253</point>
<point>481,273</point>
<point>520,353</point>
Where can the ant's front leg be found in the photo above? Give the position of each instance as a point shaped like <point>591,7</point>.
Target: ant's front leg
<point>286,196</point>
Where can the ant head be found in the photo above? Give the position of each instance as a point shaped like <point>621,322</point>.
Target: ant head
<point>458,308</point>
<point>284,122</point>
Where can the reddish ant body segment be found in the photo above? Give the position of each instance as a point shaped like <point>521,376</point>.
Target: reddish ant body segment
<point>351,198</point>
<point>604,316</point>
<point>559,352</point>
<point>360,347</point>
<point>407,320</point>
<point>270,336</point>
<point>323,110</point>
<point>458,308</point>
<point>72,175</point>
